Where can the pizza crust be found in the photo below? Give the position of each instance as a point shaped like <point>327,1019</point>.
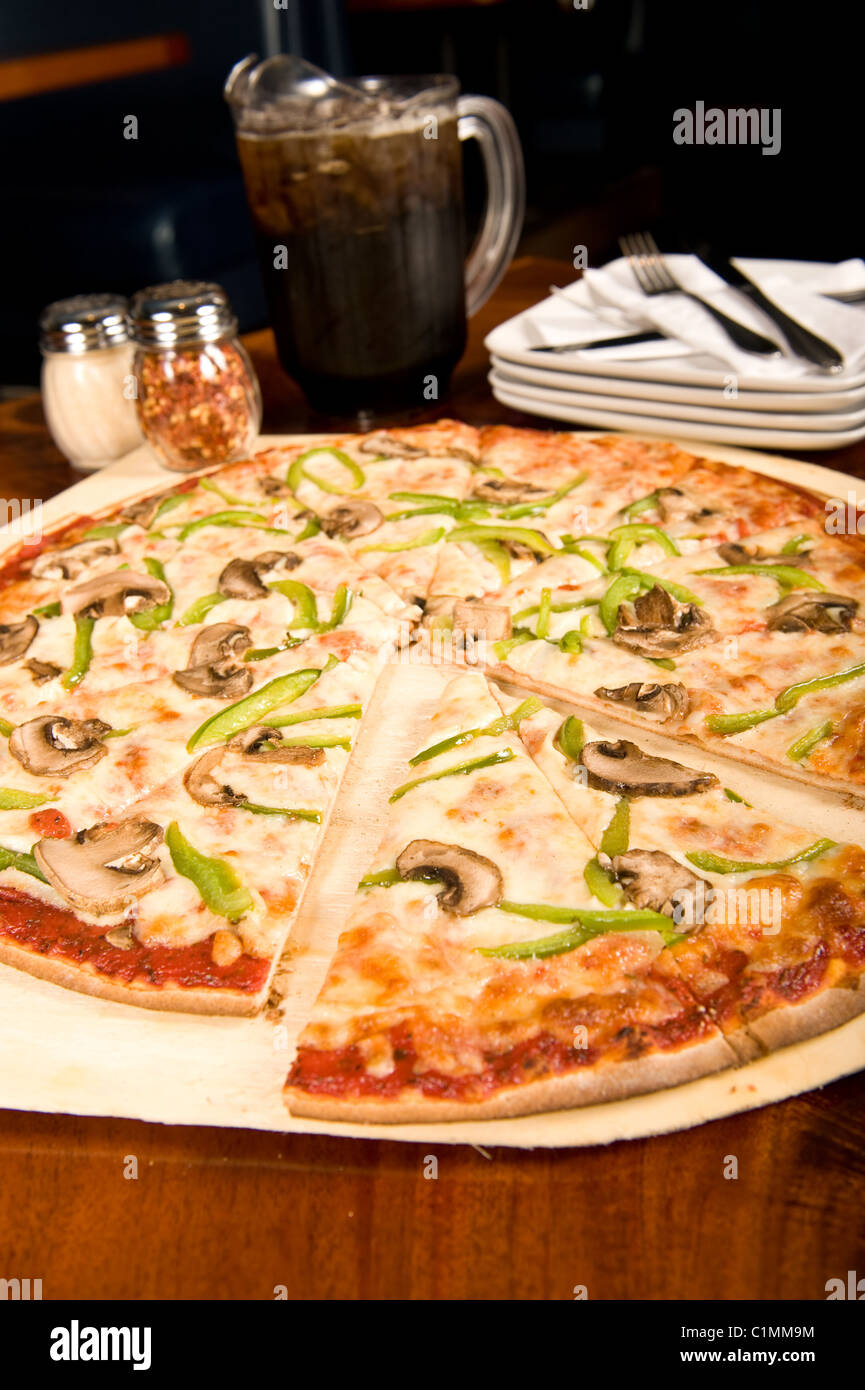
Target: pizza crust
<point>793,1023</point>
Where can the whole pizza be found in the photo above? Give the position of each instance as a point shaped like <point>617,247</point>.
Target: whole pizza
<point>554,915</point>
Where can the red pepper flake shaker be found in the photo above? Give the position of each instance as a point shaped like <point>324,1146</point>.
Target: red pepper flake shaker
<point>198,396</point>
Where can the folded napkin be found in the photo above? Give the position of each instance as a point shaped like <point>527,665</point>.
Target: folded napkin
<point>794,286</point>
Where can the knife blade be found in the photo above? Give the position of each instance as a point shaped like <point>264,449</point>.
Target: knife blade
<point>800,339</point>
<point>649,337</point>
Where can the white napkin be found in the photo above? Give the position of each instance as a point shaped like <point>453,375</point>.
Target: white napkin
<point>563,319</point>
<point>794,286</point>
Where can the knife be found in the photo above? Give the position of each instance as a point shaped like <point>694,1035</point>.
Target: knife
<point>800,339</point>
<point>651,337</point>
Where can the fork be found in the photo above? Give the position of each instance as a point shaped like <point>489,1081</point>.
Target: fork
<point>653,276</point>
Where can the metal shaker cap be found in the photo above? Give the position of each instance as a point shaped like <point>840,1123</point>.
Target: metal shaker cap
<point>181,311</point>
<point>84,322</point>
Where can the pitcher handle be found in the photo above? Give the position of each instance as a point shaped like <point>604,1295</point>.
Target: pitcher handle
<point>488,122</point>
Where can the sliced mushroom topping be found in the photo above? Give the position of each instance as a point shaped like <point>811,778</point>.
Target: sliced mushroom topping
<point>471,881</point>
<point>624,768</point>
<point>15,638</point>
<point>264,745</point>
<point>647,697</point>
<point>656,624</point>
<point>385,446</point>
<point>242,578</point>
<point>105,868</point>
<point>52,746</point>
<point>213,668</point>
<point>41,671</point>
<point>274,487</point>
<point>483,620</point>
<point>121,938</point>
<point>675,505</point>
<point>118,593</point>
<point>652,879</point>
<point>505,490</point>
<point>809,610</point>
<point>351,519</point>
<point>734,554</point>
<point>144,512</point>
<point>205,785</point>
<point>73,560</point>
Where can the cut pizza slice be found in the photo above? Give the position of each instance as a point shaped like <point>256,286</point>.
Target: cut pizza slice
<point>477,975</point>
<point>771,919</point>
<point>182,898</point>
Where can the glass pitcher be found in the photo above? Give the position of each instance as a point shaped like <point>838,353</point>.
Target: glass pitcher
<point>356,195</point>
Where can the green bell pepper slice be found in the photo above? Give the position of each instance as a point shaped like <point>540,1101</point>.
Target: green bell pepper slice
<point>504,648</point>
<point>6,728</point>
<point>717,864</point>
<point>304,716</point>
<point>149,619</point>
<point>290,813</point>
<point>518,535</point>
<point>22,861</point>
<point>305,609</point>
<point>298,471</point>
<point>795,543</point>
<point>507,723</point>
<point>13,800</point>
<point>393,547</point>
<point>219,886</point>
<point>625,538</point>
<point>504,755</point>
<point>571,738</point>
<point>542,626</point>
<point>787,576</point>
<point>617,834</point>
<point>587,923</point>
<point>601,884</point>
<point>82,653</point>
<point>784,702</point>
<point>542,504</point>
<point>198,611</point>
<point>48,610</point>
<point>626,587</point>
<point>254,708</point>
<point>808,742</point>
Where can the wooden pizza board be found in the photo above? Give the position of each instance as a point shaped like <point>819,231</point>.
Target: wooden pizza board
<point>63,1052</point>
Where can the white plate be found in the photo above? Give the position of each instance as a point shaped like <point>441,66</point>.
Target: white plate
<point>524,398</point>
<point>546,370</point>
<point>720,414</point>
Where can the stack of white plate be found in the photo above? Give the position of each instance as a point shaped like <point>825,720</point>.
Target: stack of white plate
<point>663,388</point>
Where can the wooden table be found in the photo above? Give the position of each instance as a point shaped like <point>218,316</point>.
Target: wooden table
<point>221,1214</point>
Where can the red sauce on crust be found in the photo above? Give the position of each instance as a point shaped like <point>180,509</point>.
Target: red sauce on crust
<point>50,825</point>
<point>57,933</point>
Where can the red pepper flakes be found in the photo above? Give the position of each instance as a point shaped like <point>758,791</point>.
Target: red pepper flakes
<point>198,404</point>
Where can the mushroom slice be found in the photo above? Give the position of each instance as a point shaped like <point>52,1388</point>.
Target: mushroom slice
<point>122,937</point>
<point>624,768</point>
<point>652,879</point>
<point>213,668</point>
<point>218,642</point>
<point>204,784</point>
<point>73,560</point>
<point>52,746</point>
<point>242,578</point>
<point>385,446</point>
<point>488,621</point>
<point>105,868</point>
<point>732,553</point>
<point>119,593</point>
<point>274,487</point>
<point>471,881</point>
<point>15,638</point>
<point>810,610</point>
<point>351,519</point>
<point>41,671</point>
<point>264,745</point>
<point>504,490</point>
<point>144,512</point>
<point>647,697</point>
<point>675,505</point>
<point>656,624</point>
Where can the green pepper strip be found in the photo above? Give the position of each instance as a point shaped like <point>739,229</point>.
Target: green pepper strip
<point>198,611</point>
<point>504,648</point>
<point>392,547</point>
<point>254,520</point>
<point>589,558</point>
<point>226,496</point>
<point>572,642</point>
<point>615,838</point>
<point>219,886</point>
<point>506,724</point>
<point>6,728</point>
<point>642,504</point>
<point>625,538</point>
<point>305,610</point>
<point>304,716</point>
<point>555,608</point>
<point>262,653</point>
<point>808,742</point>
<point>587,923</point>
<point>794,544</point>
<point>151,618</point>
<point>542,626</point>
<point>678,591</point>
<point>504,755</point>
<point>543,503</point>
<point>13,800</point>
<point>627,586</point>
<point>82,653</point>
<point>734,796</point>
<point>254,708</point>
<point>737,723</point>
<point>520,535</point>
<point>571,738</point>
<point>495,553</point>
<point>290,813</point>
<point>664,661</point>
<point>717,864</point>
<point>312,528</point>
<point>342,601</point>
<point>108,532</point>
<point>18,859</point>
<point>787,576</point>
<point>298,471</point>
<point>48,610</point>
<point>601,884</point>
<point>384,878</point>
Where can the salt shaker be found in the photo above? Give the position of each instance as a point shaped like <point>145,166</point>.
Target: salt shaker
<point>88,389</point>
<point>198,396</point>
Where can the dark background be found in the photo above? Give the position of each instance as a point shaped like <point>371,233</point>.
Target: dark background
<point>593,93</point>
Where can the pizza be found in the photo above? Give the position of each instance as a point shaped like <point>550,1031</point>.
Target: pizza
<point>553,916</point>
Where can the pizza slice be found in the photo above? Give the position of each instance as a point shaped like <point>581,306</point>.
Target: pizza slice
<point>770,917</point>
<point>183,897</point>
<point>477,975</point>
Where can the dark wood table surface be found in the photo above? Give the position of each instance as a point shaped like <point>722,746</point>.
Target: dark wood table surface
<point>223,1214</point>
